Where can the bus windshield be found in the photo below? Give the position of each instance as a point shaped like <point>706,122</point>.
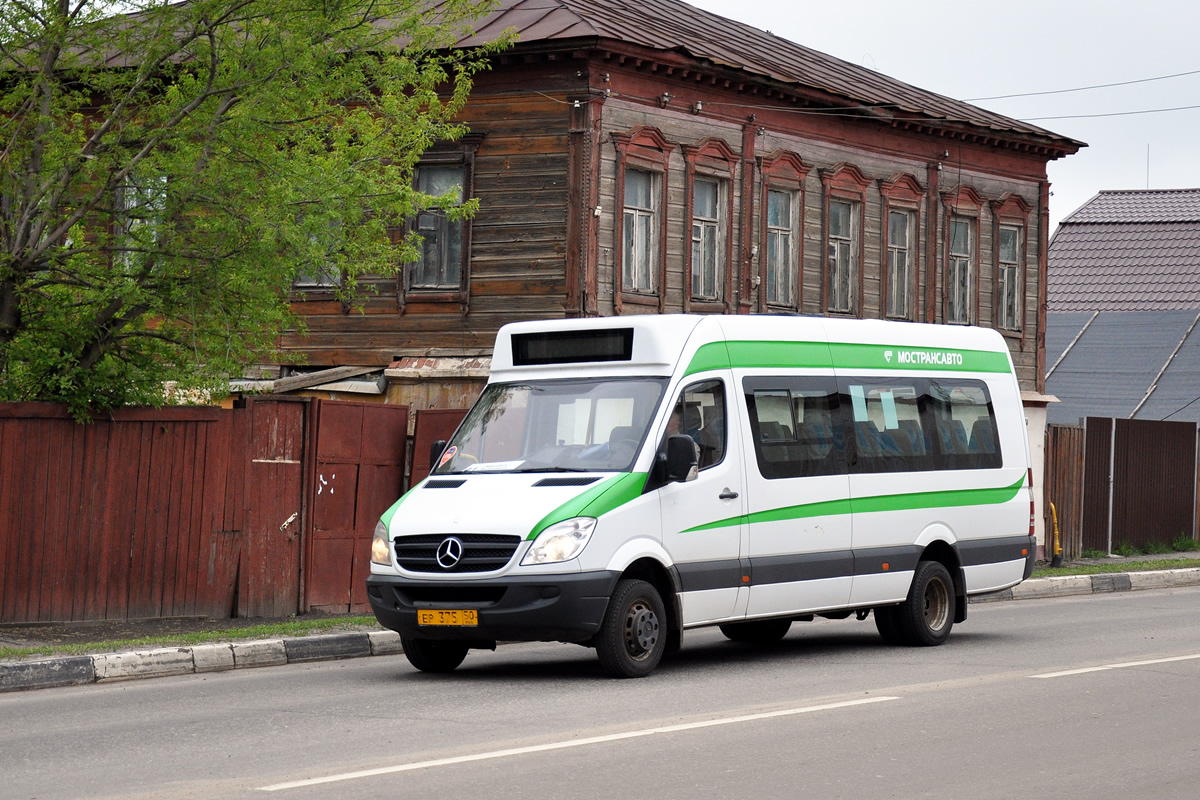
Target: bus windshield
<point>593,425</point>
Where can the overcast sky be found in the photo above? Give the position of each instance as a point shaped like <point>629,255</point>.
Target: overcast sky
<point>969,50</point>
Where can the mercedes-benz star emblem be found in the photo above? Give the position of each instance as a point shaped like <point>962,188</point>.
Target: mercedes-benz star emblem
<point>449,553</point>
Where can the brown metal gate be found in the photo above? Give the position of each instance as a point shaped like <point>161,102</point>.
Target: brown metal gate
<point>359,473</point>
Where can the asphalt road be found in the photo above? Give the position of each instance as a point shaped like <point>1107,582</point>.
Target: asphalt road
<point>1075,697</point>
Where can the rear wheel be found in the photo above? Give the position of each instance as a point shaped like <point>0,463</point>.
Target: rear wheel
<point>926,617</point>
<point>428,655</point>
<point>887,622</point>
<point>763,631</point>
<point>634,633</point>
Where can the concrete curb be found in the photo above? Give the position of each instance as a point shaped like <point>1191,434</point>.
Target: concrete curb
<point>107,667</point>
<point>1074,585</point>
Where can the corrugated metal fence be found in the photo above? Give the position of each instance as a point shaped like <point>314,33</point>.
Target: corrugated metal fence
<point>1121,482</point>
<point>186,511</point>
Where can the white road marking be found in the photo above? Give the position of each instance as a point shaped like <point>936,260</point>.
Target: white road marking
<point>541,748</point>
<point>1116,666</point>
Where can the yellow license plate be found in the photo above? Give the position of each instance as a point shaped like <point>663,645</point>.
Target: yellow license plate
<point>453,616</point>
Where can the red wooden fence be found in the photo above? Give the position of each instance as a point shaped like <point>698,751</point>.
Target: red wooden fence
<point>176,511</point>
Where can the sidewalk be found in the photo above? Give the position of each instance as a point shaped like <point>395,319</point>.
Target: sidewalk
<point>360,641</point>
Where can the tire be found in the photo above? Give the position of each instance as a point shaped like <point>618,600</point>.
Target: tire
<point>764,631</point>
<point>428,655</point>
<point>888,624</point>
<point>927,616</point>
<point>634,634</point>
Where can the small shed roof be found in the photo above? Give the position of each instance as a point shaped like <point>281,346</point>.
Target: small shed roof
<point>671,25</point>
<point>1128,251</point>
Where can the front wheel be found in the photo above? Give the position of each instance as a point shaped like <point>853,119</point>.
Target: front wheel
<point>926,617</point>
<point>634,633</point>
<point>431,656</point>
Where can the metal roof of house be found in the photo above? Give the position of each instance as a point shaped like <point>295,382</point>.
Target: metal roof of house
<point>1140,205</point>
<point>1127,251</point>
<point>671,25</point>
<point>1126,364</point>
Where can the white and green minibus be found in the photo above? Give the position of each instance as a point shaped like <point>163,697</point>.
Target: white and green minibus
<point>622,480</point>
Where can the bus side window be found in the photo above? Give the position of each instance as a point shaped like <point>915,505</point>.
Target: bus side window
<point>966,424</point>
<point>795,426</point>
<point>888,431</point>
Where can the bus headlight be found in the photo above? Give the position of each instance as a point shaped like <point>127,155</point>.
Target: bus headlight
<point>560,542</point>
<point>380,552</point>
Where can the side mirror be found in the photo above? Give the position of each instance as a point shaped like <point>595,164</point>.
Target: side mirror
<point>681,458</point>
<point>435,452</point>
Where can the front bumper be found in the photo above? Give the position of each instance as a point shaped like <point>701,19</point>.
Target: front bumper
<point>535,608</point>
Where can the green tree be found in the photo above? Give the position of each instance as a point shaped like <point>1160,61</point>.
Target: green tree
<point>167,170</point>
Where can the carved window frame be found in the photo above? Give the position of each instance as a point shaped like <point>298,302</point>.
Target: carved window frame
<point>711,159</point>
<point>460,153</point>
<point>845,183</point>
<point>783,171</point>
<point>1011,211</point>
<point>901,192</point>
<point>966,204</point>
<point>643,148</point>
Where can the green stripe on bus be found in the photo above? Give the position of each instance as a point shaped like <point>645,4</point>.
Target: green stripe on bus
<point>863,505</point>
<point>600,499</point>
<point>386,517</point>
<point>723,355</point>
<point>817,355</point>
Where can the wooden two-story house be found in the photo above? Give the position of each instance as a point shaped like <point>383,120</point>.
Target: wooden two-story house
<point>650,157</point>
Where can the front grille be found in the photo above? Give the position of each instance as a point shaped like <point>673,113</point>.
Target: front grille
<point>481,552</point>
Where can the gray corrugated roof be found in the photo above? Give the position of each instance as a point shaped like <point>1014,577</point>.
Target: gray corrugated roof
<point>1114,363</point>
<point>1175,397</point>
<point>1124,266</point>
<point>676,26</point>
<point>1061,330</point>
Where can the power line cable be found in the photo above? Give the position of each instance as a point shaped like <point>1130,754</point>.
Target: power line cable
<point>1110,114</point>
<point>1083,88</point>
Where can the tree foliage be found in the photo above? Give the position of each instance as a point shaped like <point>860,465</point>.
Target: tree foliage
<point>168,169</point>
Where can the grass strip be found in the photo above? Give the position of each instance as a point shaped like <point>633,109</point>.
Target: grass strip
<point>1121,566</point>
<point>275,630</point>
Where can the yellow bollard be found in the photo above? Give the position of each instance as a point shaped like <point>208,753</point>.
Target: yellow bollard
<point>1056,561</point>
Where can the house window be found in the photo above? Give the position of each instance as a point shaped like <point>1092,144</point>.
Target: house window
<point>899,264</point>
<point>959,270</point>
<point>781,239</point>
<point>708,262</point>
<point>440,265</point>
<point>841,256</point>
<point>640,229</point>
<point>141,216</point>
<point>1007,278</point>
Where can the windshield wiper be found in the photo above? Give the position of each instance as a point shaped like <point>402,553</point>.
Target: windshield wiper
<point>554,469</point>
